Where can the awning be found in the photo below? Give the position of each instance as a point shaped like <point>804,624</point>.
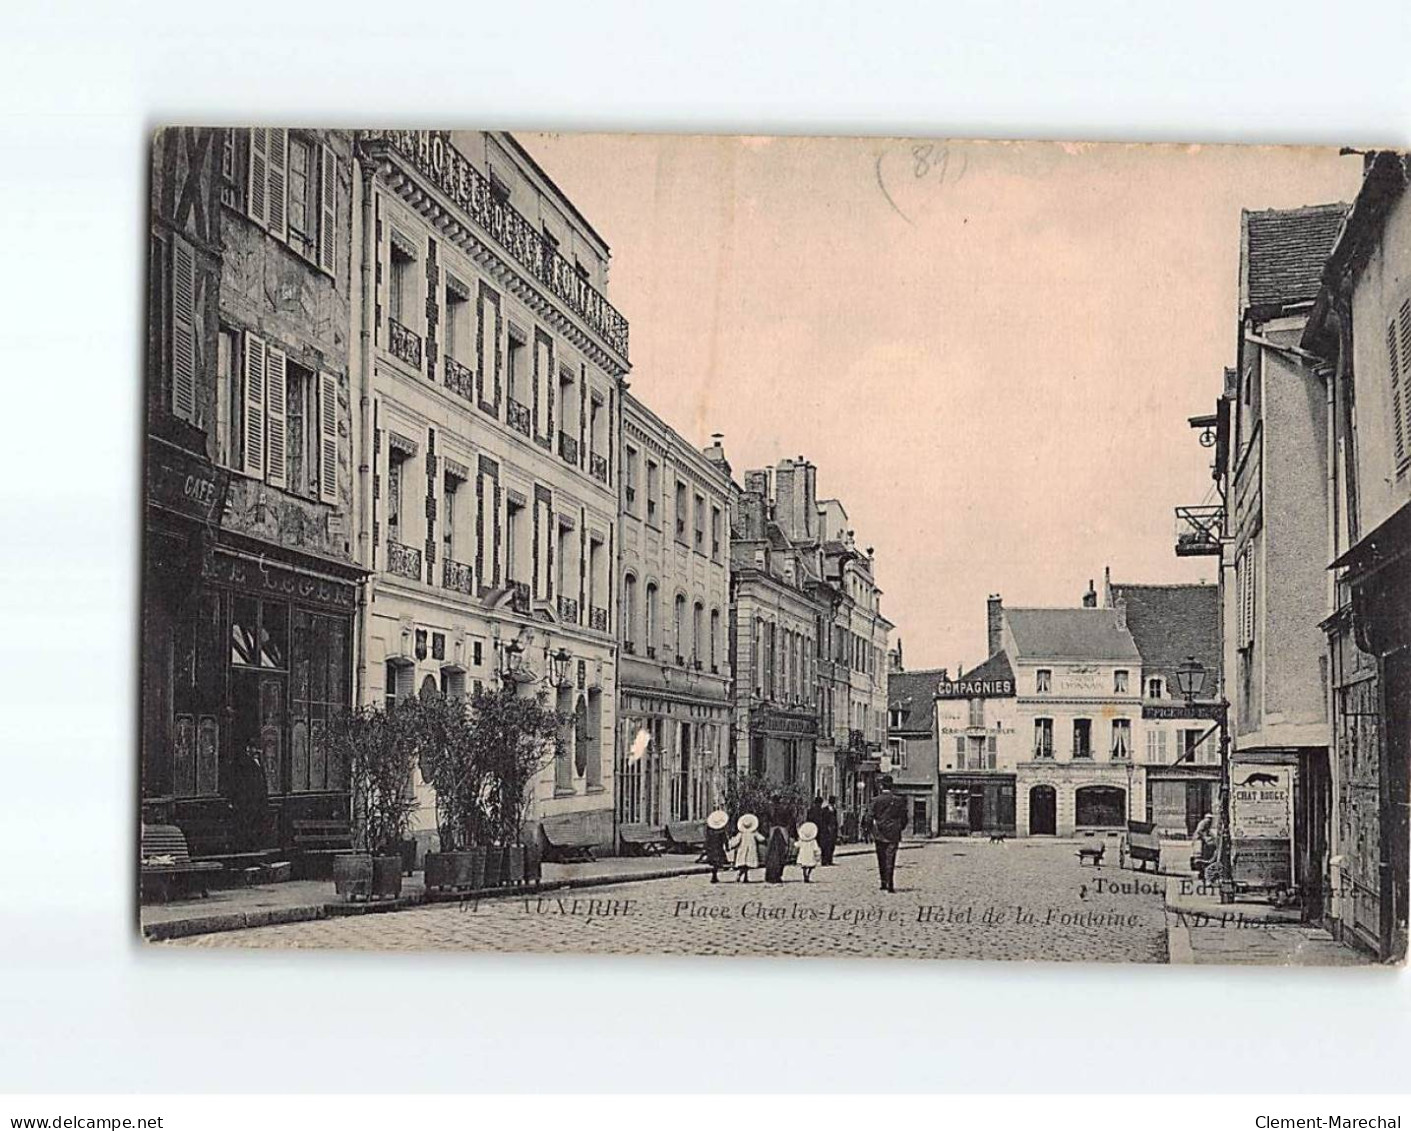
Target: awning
<point>1386,544</point>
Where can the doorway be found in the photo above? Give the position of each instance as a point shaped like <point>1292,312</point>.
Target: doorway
<point>1043,811</point>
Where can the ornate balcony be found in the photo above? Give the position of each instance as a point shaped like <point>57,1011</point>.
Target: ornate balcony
<point>598,466</point>
<point>519,596</point>
<point>597,618</point>
<point>568,448</point>
<point>1198,530</point>
<point>458,576</point>
<point>432,155</point>
<point>404,344</point>
<point>459,379</point>
<point>518,416</point>
<point>404,561</point>
<point>568,609</point>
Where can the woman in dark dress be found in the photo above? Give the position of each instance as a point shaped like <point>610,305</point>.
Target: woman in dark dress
<point>776,851</point>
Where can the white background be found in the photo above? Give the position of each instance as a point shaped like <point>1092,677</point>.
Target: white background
<point>82,1006</point>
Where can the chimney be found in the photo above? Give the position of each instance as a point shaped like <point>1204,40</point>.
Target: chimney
<point>1120,607</point>
<point>1090,597</point>
<point>894,658</point>
<point>994,621</point>
<point>716,452</point>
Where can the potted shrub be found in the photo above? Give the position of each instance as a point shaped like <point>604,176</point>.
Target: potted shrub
<point>519,735</point>
<point>455,766</point>
<point>379,755</point>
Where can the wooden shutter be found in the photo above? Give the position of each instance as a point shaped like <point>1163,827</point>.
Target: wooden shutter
<point>279,183</point>
<point>1399,365</point>
<point>276,424</point>
<point>254,406</point>
<point>328,437</point>
<point>183,347</point>
<point>257,198</point>
<point>328,208</point>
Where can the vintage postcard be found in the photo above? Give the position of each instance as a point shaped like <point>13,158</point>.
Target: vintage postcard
<point>641,545</point>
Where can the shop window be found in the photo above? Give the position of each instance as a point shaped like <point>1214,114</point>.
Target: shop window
<point>259,633</point>
<point>319,687</point>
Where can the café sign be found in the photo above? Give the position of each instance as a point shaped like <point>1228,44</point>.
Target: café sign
<point>185,484</point>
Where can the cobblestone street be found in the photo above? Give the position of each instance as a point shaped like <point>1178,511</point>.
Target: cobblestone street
<point>969,899</point>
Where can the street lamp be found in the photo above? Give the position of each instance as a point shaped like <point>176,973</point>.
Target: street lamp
<point>558,664</point>
<point>509,654</point>
<point>1190,681</point>
<point>1190,678</point>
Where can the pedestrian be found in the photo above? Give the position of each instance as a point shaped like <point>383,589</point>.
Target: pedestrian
<point>889,817</point>
<point>776,853</point>
<point>249,798</point>
<point>828,830</point>
<point>714,853</point>
<point>815,810</point>
<point>809,854</point>
<point>744,846</point>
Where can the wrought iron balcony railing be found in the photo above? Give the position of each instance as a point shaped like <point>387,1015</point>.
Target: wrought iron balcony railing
<point>404,561</point>
<point>568,448</point>
<point>597,618</point>
<point>518,416</point>
<point>1198,530</point>
<point>459,379</point>
<point>458,576</point>
<point>519,596</point>
<point>405,344</point>
<point>431,154</point>
<point>598,466</point>
<point>568,609</point>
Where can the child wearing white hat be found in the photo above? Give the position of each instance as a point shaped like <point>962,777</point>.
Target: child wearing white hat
<point>744,846</point>
<point>714,851</point>
<point>809,853</point>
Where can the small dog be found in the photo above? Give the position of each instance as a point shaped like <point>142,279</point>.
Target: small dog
<point>997,838</point>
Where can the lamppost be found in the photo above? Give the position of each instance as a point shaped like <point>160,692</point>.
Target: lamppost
<point>558,666</point>
<point>1190,681</point>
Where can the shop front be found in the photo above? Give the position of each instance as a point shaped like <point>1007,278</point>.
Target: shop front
<point>255,656</point>
<point>1177,797</point>
<point>977,803</point>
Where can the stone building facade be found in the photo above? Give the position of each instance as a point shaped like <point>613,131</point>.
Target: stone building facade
<point>675,705</point>
<point>491,367</point>
<point>249,571</point>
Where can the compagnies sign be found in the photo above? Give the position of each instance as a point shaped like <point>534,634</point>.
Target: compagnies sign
<point>975,689</point>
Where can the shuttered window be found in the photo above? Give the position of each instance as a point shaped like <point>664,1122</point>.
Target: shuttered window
<point>257,195</point>
<point>296,198</point>
<point>328,208</point>
<point>276,424</point>
<point>328,437</point>
<point>278,166</point>
<point>254,406</point>
<point>183,323</point>
<point>1399,367</point>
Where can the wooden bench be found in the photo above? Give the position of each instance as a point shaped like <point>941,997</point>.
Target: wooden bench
<point>166,862</point>
<point>1091,853</point>
<point>566,839</point>
<point>686,836</point>
<point>316,843</point>
<point>642,840</point>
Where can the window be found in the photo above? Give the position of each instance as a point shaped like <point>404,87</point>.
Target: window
<point>1043,738</point>
<point>292,191</point>
<point>228,386</point>
<point>1121,740</point>
<point>401,296</point>
<point>259,633</point>
<point>715,522</point>
<point>1156,746</point>
<point>1119,683</point>
<point>680,511</point>
<point>396,461</point>
<point>460,341</point>
<point>896,750</point>
<point>650,619</point>
<point>514,541</point>
<point>449,517</point>
<point>1082,738</point>
<point>977,712</point>
<point>185,333</point>
<point>629,612</point>
<point>715,640</point>
<point>629,489</point>
<point>1398,339</point>
<point>680,629</point>
<point>1155,688</point>
<point>1246,597</point>
<point>514,364</point>
<point>1188,742</point>
<point>653,492</point>
<point>697,632</point>
<point>700,524</point>
<point>1043,681</point>
<point>319,687</point>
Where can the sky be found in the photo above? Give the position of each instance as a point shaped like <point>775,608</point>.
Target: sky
<point>990,350</point>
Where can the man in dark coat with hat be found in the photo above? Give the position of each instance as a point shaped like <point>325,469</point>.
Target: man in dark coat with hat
<point>889,813</point>
<point>828,830</point>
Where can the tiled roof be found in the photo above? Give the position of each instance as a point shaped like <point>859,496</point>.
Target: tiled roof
<point>1172,622</point>
<point>1284,253</point>
<point>914,694</point>
<point>996,667</point>
<point>1070,634</point>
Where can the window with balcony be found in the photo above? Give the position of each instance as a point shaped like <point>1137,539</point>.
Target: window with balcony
<point>459,334</point>
<point>1043,738</point>
<point>1043,681</point>
<point>516,542</point>
<point>396,464</point>
<point>514,366</point>
<point>1082,738</point>
<point>401,294</point>
<point>568,415</point>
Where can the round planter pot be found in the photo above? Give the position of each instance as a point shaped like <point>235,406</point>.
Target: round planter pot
<point>386,877</point>
<point>453,871</point>
<point>514,865</point>
<point>352,875</point>
<point>494,866</point>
